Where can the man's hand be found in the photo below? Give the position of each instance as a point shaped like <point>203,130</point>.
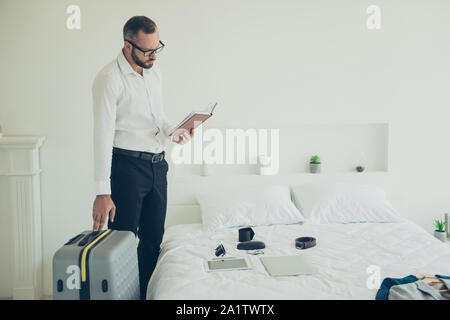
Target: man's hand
<point>103,204</point>
<point>184,137</point>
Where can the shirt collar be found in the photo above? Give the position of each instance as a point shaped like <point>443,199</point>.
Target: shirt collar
<point>125,66</point>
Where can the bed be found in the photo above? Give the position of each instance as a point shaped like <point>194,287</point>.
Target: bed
<point>349,258</point>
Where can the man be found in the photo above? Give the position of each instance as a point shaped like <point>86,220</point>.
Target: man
<point>130,136</point>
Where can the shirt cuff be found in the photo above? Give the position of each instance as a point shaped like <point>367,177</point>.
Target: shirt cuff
<point>102,187</point>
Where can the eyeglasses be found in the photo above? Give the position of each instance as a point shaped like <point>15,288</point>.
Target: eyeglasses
<point>148,52</point>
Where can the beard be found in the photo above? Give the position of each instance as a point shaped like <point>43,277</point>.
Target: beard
<point>143,64</point>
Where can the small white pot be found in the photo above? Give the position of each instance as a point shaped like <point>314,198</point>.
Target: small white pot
<point>441,235</point>
<point>263,164</point>
<point>314,167</point>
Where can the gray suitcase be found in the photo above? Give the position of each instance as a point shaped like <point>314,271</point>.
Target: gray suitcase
<point>101,265</point>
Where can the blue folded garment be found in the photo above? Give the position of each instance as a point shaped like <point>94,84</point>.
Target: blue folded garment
<point>413,288</point>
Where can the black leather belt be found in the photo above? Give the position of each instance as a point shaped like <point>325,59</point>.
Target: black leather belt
<point>305,242</point>
<point>153,157</point>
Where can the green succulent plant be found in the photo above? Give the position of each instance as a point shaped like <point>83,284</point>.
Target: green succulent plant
<point>440,224</point>
<point>315,159</point>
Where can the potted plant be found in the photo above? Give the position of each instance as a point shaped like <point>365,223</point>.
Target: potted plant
<point>314,164</point>
<point>439,232</point>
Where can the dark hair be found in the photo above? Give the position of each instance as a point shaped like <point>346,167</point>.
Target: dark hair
<point>136,23</point>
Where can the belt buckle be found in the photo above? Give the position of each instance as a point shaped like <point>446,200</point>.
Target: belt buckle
<point>157,157</point>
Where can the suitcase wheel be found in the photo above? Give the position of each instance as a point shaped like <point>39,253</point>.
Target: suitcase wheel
<point>105,285</point>
<point>59,285</point>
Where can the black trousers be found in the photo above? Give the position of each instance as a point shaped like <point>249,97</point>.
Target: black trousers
<point>139,192</point>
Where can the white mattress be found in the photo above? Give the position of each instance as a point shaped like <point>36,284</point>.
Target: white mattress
<point>341,257</point>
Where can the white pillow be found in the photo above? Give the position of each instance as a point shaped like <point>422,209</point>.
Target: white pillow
<point>247,206</point>
<point>343,203</point>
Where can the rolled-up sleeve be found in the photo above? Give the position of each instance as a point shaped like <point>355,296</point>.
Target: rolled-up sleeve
<point>166,125</point>
<point>104,93</point>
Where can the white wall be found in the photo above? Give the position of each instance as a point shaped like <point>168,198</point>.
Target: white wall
<point>271,62</point>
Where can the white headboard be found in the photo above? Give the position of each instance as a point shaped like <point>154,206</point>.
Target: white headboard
<point>181,214</point>
<point>340,146</point>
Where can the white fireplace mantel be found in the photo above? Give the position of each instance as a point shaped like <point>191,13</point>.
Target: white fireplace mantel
<point>19,165</point>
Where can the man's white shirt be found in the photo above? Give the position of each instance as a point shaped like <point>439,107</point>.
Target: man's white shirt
<point>128,114</point>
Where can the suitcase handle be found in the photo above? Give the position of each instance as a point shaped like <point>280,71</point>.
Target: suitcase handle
<point>74,239</point>
<point>88,238</point>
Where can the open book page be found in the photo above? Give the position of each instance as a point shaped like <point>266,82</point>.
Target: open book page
<point>211,107</point>
<point>194,119</point>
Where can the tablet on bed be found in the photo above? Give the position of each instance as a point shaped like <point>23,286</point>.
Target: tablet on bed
<point>224,264</point>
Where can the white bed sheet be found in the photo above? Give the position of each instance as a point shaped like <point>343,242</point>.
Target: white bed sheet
<point>342,255</point>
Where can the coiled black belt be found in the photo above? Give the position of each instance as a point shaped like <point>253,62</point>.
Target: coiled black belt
<point>153,157</point>
<point>305,242</point>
